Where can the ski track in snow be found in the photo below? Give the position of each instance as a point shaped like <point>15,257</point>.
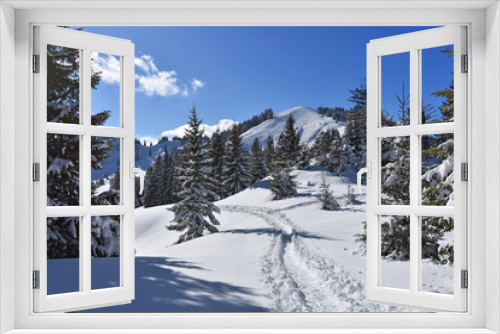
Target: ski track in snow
<point>301,280</point>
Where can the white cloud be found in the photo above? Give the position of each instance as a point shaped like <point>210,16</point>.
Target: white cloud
<point>162,83</point>
<point>146,63</point>
<point>150,80</point>
<point>195,84</point>
<point>109,66</point>
<point>224,124</point>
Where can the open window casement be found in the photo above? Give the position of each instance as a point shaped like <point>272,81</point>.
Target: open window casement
<point>416,212</point>
<point>78,222</point>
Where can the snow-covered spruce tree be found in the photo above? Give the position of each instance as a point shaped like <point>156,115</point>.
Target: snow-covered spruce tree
<point>326,197</point>
<point>355,130</point>
<point>166,182</point>
<point>196,184</point>
<point>290,140</point>
<point>304,158</point>
<point>321,146</point>
<point>336,161</point>
<point>281,181</point>
<point>438,181</point>
<point>236,174</point>
<point>349,196</point>
<point>257,170</point>
<point>395,175</point>
<point>269,154</point>
<point>105,236</point>
<point>216,156</point>
<point>149,188</point>
<point>63,150</point>
<point>281,184</point>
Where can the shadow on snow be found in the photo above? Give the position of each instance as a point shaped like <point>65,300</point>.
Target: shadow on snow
<point>161,288</point>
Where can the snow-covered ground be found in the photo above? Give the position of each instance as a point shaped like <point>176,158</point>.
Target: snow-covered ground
<point>269,256</point>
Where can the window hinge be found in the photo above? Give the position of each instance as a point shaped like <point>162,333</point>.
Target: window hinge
<point>464,172</point>
<point>36,279</point>
<point>36,63</point>
<point>465,279</point>
<point>465,64</point>
<point>36,172</point>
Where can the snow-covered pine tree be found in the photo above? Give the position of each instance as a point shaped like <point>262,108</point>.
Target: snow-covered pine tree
<point>149,188</point>
<point>257,170</point>
<point>236,175</point>
<point>304,157</point>
<point>438,181</point>
<point>349,196</point>
<point>326,197</point>
<point>63,172</point>
<point>290,142</point>
<point>321,146</point>
<point>166,184</point>
<point>336,161</point>
<point>269,154</point>
<point>395,189</point>
<point>216,156</point>
<point>196,184</point>
<point>281,182</point>
<point>105,236</point>
<point>355,130</point>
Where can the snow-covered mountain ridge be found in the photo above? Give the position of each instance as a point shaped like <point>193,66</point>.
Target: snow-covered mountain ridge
<point>308,121</point>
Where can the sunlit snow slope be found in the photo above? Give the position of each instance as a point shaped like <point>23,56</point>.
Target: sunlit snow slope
<point>308,121</point>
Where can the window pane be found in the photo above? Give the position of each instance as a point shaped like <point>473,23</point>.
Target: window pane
<point>395,174</point>
<point>63,170</point>
<point>437,254</point>
<point>437,84</point>
<point>437,170</point>
<point>106,75</point>
<point>105,158</point>
<point>395,89</point>
<point>63,255</point>
<point>395,252</point>
<point>105,252</point>
<point>63,85</point>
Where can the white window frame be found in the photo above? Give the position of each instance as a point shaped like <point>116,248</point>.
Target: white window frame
<point>85,297</point>
<point>483,21</point>
<point>413,44</point>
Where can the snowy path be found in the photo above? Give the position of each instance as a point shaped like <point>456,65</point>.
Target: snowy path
<point>300,280</point>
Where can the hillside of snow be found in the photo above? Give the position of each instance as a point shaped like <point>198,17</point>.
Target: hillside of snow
<point>269,256</point>
<point>308,121</point>
<point>142,158</point>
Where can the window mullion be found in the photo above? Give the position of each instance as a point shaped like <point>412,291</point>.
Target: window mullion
<point>415,247</point>
<point>85,177</point>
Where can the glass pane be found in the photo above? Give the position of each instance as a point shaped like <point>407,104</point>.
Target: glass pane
<point>395,252</point>
<point>63,253</point>
<point>105,252</point>
<point>437,170</point>
<point>106,177</point>
<point>106,75</point>
<point>437,84</point>
<point>63,170</point>
<point>395,172</point>
<point>437,254</point>
<point>63,85</point>
<point>395,89</point>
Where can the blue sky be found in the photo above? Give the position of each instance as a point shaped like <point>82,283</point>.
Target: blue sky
<point>237,72</point>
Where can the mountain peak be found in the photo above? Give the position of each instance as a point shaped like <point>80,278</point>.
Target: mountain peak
<point>308,121</point>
